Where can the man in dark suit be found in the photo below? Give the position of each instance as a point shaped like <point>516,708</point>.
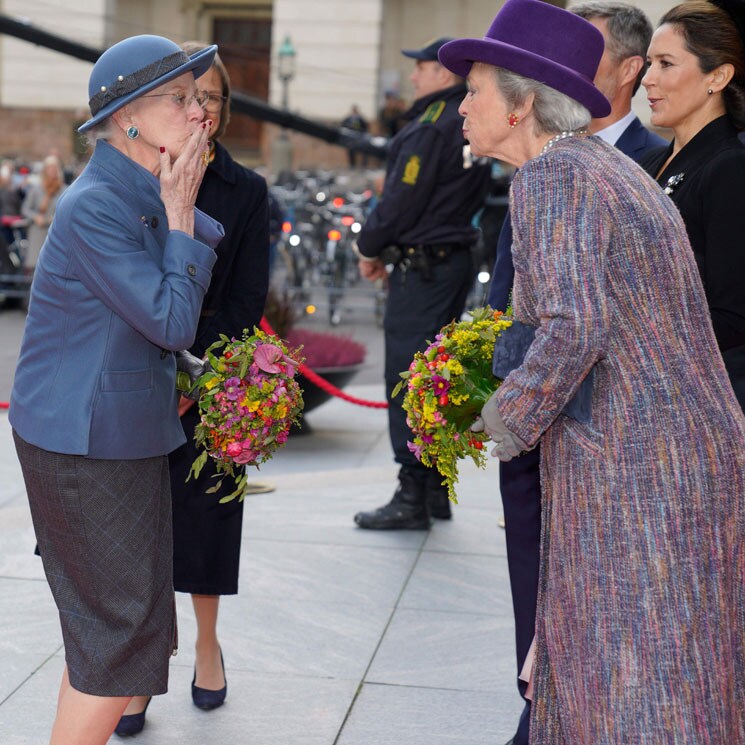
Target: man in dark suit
<point>627,32</point>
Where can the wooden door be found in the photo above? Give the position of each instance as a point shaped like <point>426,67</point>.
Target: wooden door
<point>245,48</point>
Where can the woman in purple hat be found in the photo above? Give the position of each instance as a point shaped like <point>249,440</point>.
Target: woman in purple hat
<point>118,288</point>
<point>639,630</point>
<point>696,86</point>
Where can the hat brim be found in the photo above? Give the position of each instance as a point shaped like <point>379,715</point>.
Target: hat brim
<point>418,54</point>
<point>459,55</point>
<point>198,63</point>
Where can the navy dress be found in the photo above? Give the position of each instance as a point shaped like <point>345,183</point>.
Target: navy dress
<point>207,534</point>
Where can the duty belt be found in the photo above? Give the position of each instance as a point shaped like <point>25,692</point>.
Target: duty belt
<point>421,257</point>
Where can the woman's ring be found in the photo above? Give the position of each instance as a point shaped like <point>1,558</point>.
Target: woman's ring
<point>206,158</point>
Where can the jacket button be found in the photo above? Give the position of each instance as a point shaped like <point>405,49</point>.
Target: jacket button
<point>163,353</point>
<point>191,269</point>
<point>154,222</point>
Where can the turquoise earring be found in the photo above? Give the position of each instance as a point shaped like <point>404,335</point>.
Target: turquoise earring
<point>133,133</point>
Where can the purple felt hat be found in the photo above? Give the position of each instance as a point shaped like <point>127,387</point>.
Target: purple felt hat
<point>541,42</point>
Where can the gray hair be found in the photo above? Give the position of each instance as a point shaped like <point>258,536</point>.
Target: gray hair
<point>101,131</point>
<point>553,111</point>
<point>629,30</point>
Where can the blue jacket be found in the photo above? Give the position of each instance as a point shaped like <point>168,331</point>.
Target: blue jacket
<point>113,294</point>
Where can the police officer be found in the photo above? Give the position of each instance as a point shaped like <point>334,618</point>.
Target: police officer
<point>422,225</point>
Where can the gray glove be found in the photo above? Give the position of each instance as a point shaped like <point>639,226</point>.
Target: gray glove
<point>193,369</point>
<point>507,444</point>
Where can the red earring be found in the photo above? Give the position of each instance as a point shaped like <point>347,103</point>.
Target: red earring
<point>512,120</point>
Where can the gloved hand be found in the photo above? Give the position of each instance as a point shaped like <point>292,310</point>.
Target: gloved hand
<point>193,368</point>
<point>507,444</point>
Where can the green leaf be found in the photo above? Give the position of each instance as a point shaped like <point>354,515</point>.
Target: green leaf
<point>198,465</point>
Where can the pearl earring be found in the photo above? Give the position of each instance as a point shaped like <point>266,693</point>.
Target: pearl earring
<point>133,133</point>
<point>710,91</point>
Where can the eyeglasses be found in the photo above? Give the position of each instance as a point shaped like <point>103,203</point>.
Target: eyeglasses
<point>214,102</point>
<point>182,100</point>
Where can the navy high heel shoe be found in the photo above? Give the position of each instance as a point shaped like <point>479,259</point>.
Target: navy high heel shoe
<point>205,699</point>
<point>132,724</point>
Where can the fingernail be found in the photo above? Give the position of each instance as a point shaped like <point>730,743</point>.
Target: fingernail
<point>204,124</point>
<point>210,122</point>
<point>162,149</point>
<point>209,144</point>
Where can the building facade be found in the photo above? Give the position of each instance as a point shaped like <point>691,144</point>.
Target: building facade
<point>345,53</point>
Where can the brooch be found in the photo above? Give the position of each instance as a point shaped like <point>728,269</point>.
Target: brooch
<point>672,182</point>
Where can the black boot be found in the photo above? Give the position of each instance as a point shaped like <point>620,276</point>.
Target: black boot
<point>438,501</point>
<point>406,511</point>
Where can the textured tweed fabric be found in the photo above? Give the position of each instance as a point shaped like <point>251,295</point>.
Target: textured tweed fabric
<point>104,533</point>
<point>639,633</point>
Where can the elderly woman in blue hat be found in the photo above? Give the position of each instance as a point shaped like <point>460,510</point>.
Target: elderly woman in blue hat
<point>638,634</point>
<point>118,288</point>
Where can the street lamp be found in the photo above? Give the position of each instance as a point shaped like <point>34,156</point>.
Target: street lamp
<point>286,68</point>
<point>282,155</point>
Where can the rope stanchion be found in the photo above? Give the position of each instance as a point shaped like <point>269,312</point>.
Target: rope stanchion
<point>312,376</point>
<point>324,384</point>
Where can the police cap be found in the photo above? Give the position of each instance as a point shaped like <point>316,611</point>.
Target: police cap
<point>429,51</point>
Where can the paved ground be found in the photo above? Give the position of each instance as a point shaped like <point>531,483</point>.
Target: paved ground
<point>338,637</point>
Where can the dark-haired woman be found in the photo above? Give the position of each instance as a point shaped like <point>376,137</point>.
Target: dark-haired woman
<point>207,534</point>
<point>696,86</point>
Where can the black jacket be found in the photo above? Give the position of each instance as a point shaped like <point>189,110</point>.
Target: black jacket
<point>235,300</point>
<point>710,171</point>
<point>433,186</point>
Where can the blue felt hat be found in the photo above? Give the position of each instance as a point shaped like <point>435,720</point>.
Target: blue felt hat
<point>135,66</point>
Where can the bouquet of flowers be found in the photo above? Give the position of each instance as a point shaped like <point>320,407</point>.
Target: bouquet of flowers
<point>446,386</point>
<point>248,401</point>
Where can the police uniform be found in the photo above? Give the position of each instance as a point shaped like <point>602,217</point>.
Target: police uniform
<point>422,225</point>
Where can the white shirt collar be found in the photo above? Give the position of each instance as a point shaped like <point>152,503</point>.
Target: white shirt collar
<point>613,133</point>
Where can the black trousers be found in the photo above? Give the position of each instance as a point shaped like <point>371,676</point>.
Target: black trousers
<point>417,308</point>
<point>520,485</point>
<point>734,361</point>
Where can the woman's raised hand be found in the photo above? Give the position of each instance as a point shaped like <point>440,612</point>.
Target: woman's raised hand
<point>180,179</point>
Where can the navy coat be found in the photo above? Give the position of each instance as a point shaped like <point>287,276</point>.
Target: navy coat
<point>113,292</point>
<point>237,197</point>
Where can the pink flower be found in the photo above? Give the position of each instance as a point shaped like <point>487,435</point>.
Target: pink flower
<point>416,449</point>
<point>440,385</point>
<point>233,388</point>
<point>246,456</point>
<point>268,357</point>
<point>234,449</point>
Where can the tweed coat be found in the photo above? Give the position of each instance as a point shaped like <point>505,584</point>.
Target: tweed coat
<point>639,631</point>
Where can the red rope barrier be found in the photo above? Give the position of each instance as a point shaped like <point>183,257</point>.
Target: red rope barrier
<point>323,384</point>
<point>314,378</point>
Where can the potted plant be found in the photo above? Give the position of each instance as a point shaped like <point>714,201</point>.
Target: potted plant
<point>335,357</point>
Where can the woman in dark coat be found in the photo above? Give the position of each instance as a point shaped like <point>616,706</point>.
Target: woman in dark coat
<point>696,85</point>
<point>207,534</point>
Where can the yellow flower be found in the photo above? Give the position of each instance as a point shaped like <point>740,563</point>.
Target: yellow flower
<point>454,366</point>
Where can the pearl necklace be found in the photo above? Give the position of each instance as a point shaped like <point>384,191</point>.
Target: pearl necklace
<point>562,136</point>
